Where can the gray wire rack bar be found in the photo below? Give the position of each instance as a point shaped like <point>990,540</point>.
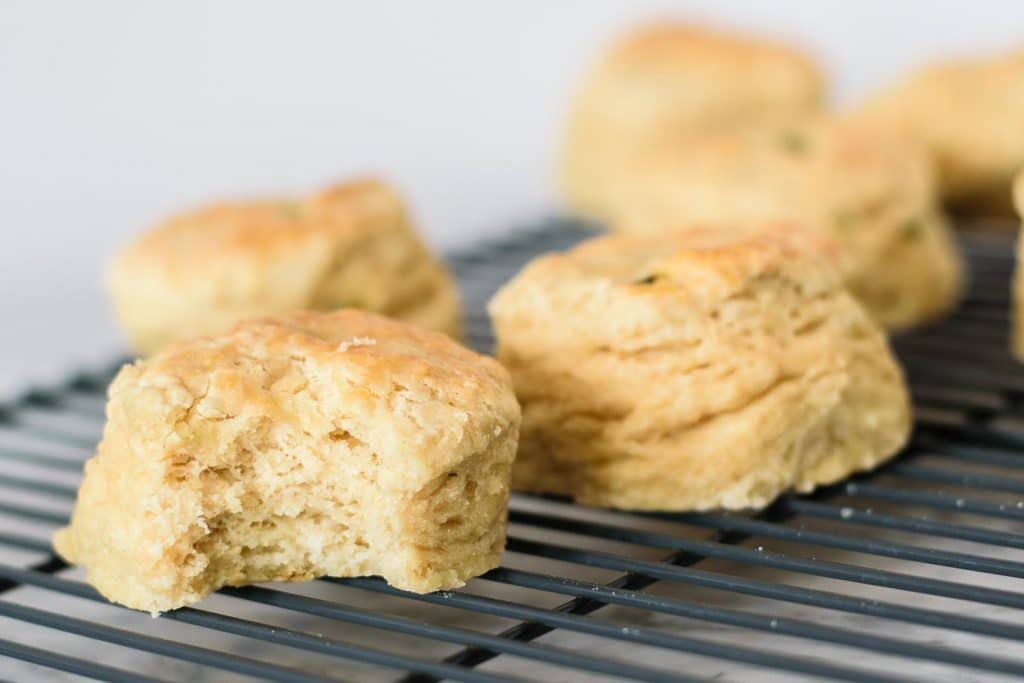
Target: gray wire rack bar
<point>960,481</point>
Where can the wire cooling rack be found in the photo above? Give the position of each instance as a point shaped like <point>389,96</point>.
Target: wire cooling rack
<point>912,572</point>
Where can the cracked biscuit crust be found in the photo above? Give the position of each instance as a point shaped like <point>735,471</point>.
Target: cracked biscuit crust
<point>867,188</point>
<point>340,444</point>
<point>695,370</point>
<point>350,246</point>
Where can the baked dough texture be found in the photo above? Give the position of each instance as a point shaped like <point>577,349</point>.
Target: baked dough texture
<point>350,246</point>
<point>1018,276</point>
<point>868,188</point>
<point>667,79</point>
<point>969,112</point>
<point>695,370</point>
<point>341,444</point>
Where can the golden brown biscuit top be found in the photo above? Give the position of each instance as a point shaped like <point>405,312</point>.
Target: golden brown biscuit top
<point>419,400</point>
<point>659,55</point>
<point>963,99</point>
<point>971,77</point>
<point>639,293</point>
<point>686,46</point>
<point>806,151</point>
<point>706,262</point>
<point>357,345</point>
<point>836,165</point>
<point>969,112</point>
<point>255,228</point>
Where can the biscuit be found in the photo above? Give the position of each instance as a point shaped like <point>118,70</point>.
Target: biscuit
<point>349,246</point>
<point>1018,276</point>
<point>666,79</point>
<point>291,447</point>
<point>969,113</point>
<point>694,370</point>
<point>869,189</point>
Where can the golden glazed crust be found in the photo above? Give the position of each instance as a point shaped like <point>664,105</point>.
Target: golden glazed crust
<point>668,79</point>
<point>969,113</point>
<point>866,187</point>
<point>311,444</point>
<point>349,246</point>
<point>691,370</point>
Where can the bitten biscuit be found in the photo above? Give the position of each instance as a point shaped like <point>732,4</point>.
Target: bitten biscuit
<point>867,188</point>
<point>350,246</point>
<point>341,444</point>
<point>694,370</point>
<point>667,79</point>
<point>970,114</point>
<point>1018,276</point>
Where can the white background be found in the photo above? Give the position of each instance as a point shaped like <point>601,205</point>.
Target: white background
<point>113,114</point>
